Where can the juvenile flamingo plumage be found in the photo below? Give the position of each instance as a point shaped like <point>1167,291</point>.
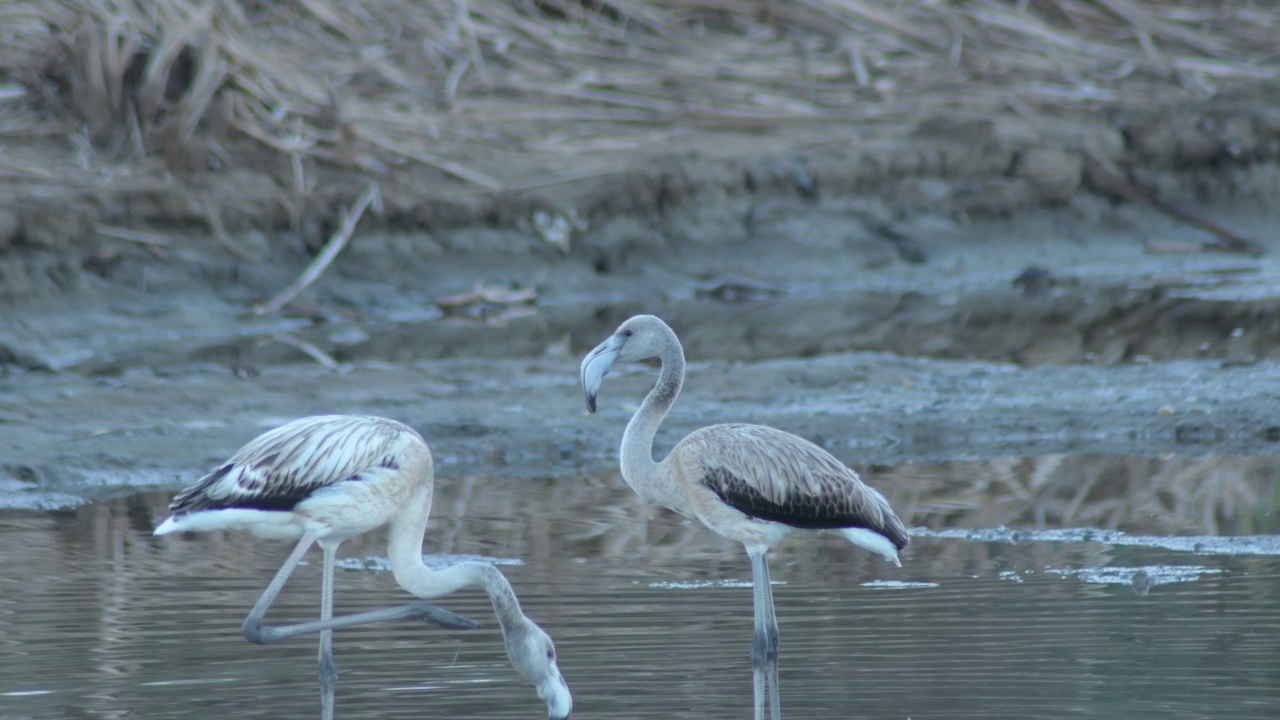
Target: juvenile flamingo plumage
<point>328,478</point>
<point>749,483</point>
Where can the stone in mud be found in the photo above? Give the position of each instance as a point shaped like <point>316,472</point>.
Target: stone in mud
<point>996,196</point>
<point>57,226</point>
<point>38,274</point>
<point>1054,174</point>
<point>1192,140</point>
<point>9,226</point>
<point>1056,348</point>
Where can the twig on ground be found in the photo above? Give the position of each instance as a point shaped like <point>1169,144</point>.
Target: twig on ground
<point>1109,177</point>
<point>311,351</point>
<point>137,236</point>
<point>331,249</point>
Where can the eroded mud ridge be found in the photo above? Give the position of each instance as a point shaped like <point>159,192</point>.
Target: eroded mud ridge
<point>1058,329</point>
<point>762,276</point>
<point>72,437</point>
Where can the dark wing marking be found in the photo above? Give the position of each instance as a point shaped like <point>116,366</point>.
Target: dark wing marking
<point>282,467</point>
<point>205,494</point>
<point>814,512</point>
<point>771,475</point>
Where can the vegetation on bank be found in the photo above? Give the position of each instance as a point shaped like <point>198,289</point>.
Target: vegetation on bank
<point>292,107</point>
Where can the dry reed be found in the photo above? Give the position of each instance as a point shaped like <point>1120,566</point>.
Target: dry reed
<point>476,96</point>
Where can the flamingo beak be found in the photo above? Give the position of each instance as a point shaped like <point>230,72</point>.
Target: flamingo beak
<point>596,365</point>
<point>555,693</point>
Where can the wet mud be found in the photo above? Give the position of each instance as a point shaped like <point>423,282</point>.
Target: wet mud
<point>888,333</point>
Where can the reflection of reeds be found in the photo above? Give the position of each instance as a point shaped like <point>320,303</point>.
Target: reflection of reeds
<point>1212,495</point>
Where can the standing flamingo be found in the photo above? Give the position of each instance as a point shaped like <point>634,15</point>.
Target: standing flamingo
<point>749,483</point>
<point>332,477</point>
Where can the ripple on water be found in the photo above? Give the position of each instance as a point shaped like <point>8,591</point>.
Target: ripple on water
<point>97,615</point>
<point>1201,544</point>
<point>702,584</point>
<point>1156,574</point>
<point>898,585</point>
<point>377,563</point>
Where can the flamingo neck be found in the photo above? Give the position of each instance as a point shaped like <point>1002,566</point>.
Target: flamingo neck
<point>405,552</point>
<point>638,467</point>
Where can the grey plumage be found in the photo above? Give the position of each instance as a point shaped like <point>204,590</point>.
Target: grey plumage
<point>772,475</point>
<point>749,483</point>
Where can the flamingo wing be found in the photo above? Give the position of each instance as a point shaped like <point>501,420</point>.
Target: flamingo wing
<point>284,466</point>
<point>768,474</point>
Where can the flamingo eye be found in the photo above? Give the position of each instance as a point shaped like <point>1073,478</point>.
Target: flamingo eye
<point>551,654</point>
<point>628,332</point>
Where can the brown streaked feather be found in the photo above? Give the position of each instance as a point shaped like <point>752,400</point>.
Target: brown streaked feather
<point>773,475</point>
<point>284,466</point>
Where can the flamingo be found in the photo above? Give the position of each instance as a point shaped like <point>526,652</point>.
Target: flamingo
<point>328,478</point>
<point>748,483</point>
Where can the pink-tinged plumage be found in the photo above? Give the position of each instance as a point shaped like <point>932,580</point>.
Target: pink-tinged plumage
<point>339,475</point>
<point>328,478</point>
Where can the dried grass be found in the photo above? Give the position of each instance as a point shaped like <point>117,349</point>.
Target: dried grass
<point>460,96</point>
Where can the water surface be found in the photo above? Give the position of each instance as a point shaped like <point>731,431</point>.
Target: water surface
<point>652,615</point>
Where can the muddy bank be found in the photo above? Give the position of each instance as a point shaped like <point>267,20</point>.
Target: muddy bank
<point>72,437</point>
<point>766,276</point>
<point>1066,328</point>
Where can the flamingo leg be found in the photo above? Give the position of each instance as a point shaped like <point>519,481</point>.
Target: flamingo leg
<point>327,667</point>
<point>256,632</point>
<point>764,648</point>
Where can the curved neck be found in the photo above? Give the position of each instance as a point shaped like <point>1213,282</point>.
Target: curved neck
<point>405,552</point>
<point>638,467</point>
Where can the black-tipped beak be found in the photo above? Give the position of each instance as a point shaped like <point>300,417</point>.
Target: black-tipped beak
<point>556,694</point>
<point>596,365</point>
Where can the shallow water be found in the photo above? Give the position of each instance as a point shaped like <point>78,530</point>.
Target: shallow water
<point>652,615</point>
